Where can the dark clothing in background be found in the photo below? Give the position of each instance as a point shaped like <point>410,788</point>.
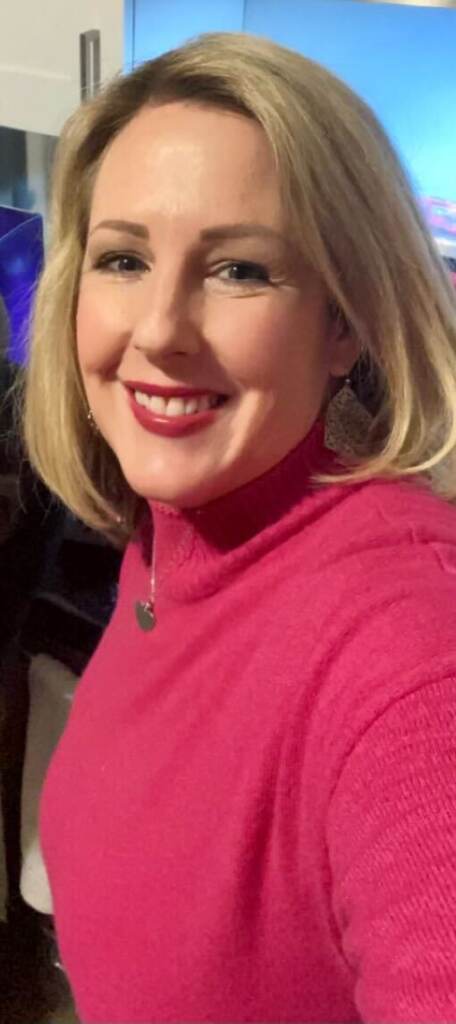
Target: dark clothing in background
<point>48,557</point>
<point>58,582</point>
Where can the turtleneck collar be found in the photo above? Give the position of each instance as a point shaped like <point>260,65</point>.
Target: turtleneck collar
<point>198,549</point>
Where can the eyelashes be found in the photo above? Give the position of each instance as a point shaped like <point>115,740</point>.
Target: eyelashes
<point>230,272</point>
<point>120,263</point>
<point>246,272</point>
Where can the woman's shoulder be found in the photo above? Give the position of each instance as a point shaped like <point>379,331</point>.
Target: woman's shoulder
<point>379,593</point>
<point>405,501</point>
<point>392,519</point>
<point>384,610</point>
<point>392,583</point>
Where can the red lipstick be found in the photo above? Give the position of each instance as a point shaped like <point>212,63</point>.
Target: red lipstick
<point>169,426</point>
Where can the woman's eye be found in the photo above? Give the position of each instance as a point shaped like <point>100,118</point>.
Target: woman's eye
<point>120,263</point>
<point>244,272</point>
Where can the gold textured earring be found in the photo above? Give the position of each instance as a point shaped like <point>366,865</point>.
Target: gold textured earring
<point>91,422</point>
<point>347,421</point>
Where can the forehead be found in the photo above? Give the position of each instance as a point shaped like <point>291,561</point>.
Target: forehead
<point>180,158</point>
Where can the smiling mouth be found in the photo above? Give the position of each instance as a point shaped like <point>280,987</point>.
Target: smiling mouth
<point>174,406</point>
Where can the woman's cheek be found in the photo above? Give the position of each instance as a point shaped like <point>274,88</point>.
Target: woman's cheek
<point>249,336</point>
<point>97,331</point>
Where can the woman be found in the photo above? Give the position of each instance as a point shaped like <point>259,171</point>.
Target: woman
<point>249,817</point>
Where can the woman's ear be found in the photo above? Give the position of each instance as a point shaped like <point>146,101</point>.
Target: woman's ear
<point>344,347</point>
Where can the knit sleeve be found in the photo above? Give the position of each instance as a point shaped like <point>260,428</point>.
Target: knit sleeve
<point>392,851</point>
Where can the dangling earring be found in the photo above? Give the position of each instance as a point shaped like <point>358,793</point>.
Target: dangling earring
<point>347,421</point>
<point>91,422</point>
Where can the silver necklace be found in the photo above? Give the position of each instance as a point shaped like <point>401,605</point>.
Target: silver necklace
<point>145,610</point>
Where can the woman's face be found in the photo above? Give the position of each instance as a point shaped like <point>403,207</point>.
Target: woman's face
<point>205,343</point>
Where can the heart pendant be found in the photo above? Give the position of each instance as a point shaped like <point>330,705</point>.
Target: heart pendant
<point>144,615</point>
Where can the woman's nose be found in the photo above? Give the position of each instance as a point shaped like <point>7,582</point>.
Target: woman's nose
<point>167,323</point>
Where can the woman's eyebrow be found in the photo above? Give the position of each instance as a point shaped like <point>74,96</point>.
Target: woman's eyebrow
<point>126,226</point>
<point>215,234</point>
<point>223,231</point>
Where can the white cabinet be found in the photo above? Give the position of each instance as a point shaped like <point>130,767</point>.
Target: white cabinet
<point>41,60</point>
<point>40,41</point>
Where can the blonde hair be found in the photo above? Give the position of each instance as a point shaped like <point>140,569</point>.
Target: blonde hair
<point>353,216</point>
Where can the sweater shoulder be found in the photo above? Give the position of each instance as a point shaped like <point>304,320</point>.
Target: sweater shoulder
<point>383,614</point>
<point>380,531</point>
<point>396,511</point>
<point>379,631</point>
<point>386,571</point>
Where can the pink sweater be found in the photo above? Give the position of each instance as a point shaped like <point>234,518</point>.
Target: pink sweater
<point>251,815</point>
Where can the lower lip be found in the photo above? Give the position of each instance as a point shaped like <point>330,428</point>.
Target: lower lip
<point>170,426</point>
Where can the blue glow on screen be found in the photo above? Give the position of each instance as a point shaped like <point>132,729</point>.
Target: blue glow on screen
<point>21,259</point>
<point>400,59</point>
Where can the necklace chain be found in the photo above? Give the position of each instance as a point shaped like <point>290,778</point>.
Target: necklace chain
<point>145,610</point>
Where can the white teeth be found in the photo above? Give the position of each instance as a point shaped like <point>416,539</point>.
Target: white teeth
<point>175,406</point>
<point>141,399</point>
<point>155,403</point>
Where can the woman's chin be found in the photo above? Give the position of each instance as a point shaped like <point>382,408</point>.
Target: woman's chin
<point>174,493</point>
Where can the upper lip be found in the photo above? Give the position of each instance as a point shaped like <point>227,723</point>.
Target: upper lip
<point>173,391</point>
